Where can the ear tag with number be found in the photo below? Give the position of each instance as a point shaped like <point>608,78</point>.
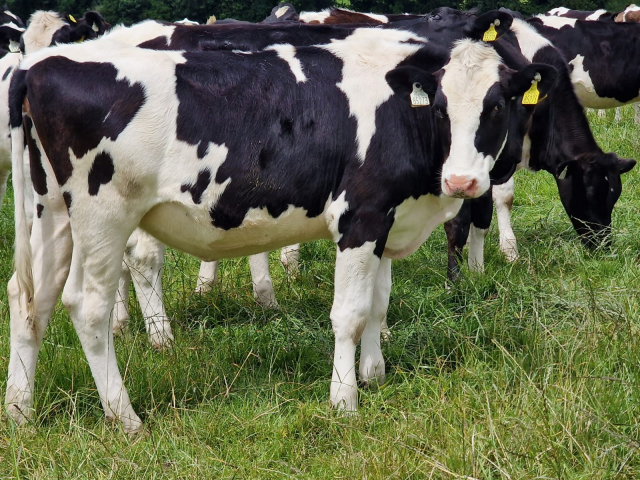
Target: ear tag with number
<point>491,34</point>
<point>72,19</point>
<point>532,95</point>
<point>418,97</point>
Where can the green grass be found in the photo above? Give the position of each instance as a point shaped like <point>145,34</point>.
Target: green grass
<point>528,371</point>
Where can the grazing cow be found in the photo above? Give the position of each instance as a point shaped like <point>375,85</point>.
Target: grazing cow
<point>218,183</point>
<point>588,180</point>
<point>597,15</point>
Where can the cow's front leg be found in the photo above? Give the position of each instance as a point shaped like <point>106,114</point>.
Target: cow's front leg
<point>371,360</point>
<point>145,258</point>
<point>261,279</point>
<point>207,277</point>
<point>290,258</point>
<point>457,230</point>
<point>89,297</point>
<point>503,198</point>
<point>481,213</point>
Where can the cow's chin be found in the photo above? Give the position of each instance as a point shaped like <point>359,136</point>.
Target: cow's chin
<point>464,185</point>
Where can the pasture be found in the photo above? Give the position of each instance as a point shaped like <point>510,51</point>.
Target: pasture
<point>528,371</point>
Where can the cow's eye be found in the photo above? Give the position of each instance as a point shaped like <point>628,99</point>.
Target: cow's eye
<point>439,113</point>
<point>435,17</point>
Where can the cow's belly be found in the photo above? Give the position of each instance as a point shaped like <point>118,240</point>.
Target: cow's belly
<point>415,220</point>
<point>190,230</point>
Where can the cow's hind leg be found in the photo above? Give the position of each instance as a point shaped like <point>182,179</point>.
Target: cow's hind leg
<point>89,297</point>
<point>51,255</point>
<point>371,360</point>
<point>503,198</point>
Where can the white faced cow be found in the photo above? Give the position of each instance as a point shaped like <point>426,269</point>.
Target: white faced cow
<point>332,149</point>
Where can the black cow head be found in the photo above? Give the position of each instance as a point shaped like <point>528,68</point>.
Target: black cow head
<point>285,12</point>
<point>589,188</point>
<point>11,29</point>
<point>90,26</point>
<point>475,100</point>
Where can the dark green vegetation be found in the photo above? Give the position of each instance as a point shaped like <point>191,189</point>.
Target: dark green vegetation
<point>130,11</point>
<point>531,370</point>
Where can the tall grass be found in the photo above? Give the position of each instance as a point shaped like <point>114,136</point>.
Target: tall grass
<point>528,371</point>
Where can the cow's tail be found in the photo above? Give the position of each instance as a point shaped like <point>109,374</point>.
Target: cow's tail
<point>22,249</point>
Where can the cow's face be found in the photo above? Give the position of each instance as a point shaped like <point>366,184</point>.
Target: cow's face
<point>474,103</point>
<point>88,27</point>
<point>589,188</point>
<point>474,99</point>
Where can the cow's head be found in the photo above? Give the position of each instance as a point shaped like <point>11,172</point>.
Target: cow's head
<point>90,26</point>
<point>11,29</point>
<point>589,188</point>
<point>474,99</point>
<point>285,12</point>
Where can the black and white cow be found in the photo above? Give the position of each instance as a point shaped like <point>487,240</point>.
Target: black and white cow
<point>596,15</point>
<point>11,29</point>
<point>203,150</point>
<point>559,142</point>
<point>47,28</point>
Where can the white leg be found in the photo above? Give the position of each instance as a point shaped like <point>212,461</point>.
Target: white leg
<point>356,271</point>
<point>145,256</point>
<point>503,199</point>
<point>371,359</point>
<point>290,257</point>
<point>207,277</point>
<point>262,284</point>
<point>89,297</point>
<point>602,113</point>
<point>618,115</point>
<point>51,249</point>
<point>476,248</point>
<point>120,316</point>
<point>636,112</point>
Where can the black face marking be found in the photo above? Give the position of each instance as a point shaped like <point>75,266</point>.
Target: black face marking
<point>38,175</point>
<point>91,109</point>
<point>6,73</point>
<point>101,172</point>
<point>39,209</point>
<point>203,181</point>
<point>67,200</point>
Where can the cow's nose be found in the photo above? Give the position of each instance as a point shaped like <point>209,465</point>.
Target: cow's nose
<point>460,186</point>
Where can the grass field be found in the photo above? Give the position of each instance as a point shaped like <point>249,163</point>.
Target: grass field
<point>531,370</point>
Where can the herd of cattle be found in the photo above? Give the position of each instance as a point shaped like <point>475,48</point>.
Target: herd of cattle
<point>234,139</point>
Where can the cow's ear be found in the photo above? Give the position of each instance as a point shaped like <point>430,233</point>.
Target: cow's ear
<point>625,164</point>
<point>405,81</point>
<point>96,22</point>
<point>534,82</point>
<point>490,26</point>
<point>565,169</point>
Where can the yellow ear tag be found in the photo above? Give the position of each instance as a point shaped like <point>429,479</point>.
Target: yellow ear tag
<point>81,40</point>
<point>72,19</point>
<point>491,34</point>
<point>532,95</point>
